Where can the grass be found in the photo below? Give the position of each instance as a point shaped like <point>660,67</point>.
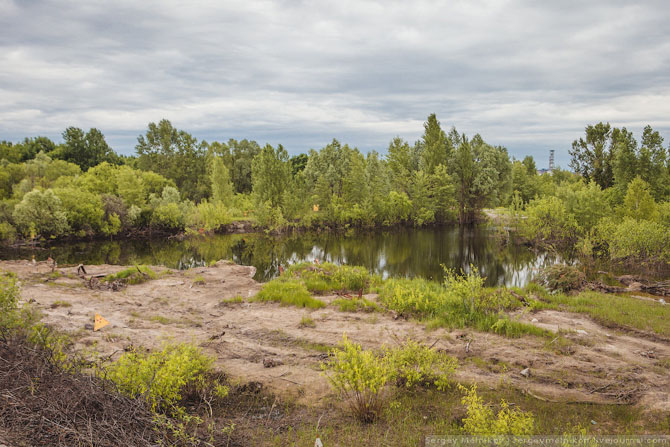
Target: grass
<point>355,305</point>
<point>328,277</point>
<point>615,310</point>
<point>60,303</point>
<point>306,321</point>
<point>464,302</point>
<point>133,275</point>
<point>288,292</point>
<point>234,300</point>
<point>199,280</point>
<point>160,319</point>
<point>412,415</point>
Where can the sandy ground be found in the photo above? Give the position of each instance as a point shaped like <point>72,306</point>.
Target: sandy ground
<point>589,364</point>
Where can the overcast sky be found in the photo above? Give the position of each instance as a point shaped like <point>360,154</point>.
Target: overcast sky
<point>300,73</point>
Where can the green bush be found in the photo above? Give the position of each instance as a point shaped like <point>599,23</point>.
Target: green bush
<point>548,220</point>
<point>360,376</point>
<point>415,364</point>
<point>163,377</point>
<point>413,297</point>
<point>637,239</point>
<point>482,421</point>
<point>355,305</point>
<point>562,278</point>
<point>41,213</point>
<point>7,232</point>
<point>288,292</point>
<point>9,296</point>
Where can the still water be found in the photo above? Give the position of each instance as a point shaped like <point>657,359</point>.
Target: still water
<point>398,252</point>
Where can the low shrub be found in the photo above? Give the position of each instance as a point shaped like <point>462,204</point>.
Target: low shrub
<point>415,364</point>
<point>288,291</point>
<point>360,376</point>
<point>165,377</point>
<point>562,278</point>
<point>482,421</point>
<point>413,297</point>
<point>306,321</point>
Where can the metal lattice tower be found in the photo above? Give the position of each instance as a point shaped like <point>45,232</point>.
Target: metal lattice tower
<point>551,159</point>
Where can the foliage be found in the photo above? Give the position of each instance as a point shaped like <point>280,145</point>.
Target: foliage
<point>133,275</point>
<point>547,219</point>
<point>41,212</point>
<point>415,364</point>
<point>562,278</point>
<point>360,376</point>
<point>355,305</point>
<point>635,239</point>
<point>328,277</point>
<point>481,420</point>
<point>288,292</point>
<point>163,377</point>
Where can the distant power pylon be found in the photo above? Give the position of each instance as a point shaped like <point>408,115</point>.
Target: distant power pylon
<point>551,159</point>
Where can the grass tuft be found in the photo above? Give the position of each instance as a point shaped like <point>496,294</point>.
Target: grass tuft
<point>288,292</point>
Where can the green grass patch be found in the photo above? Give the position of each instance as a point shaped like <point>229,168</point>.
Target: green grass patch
<point>234,300</point>
<point>133,275</point>
<point>328,277</point>
<point>160,319</point>
<point>199,280</point>
<point>355,305</point>
<point>289,292</point>
<point>306,321</point>
<point>60,303</point>
<point>617,310</point>
<point>462,301</point>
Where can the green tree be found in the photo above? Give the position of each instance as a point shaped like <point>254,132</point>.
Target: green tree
<point>222,187</point>
<point>242,153</point>
<point>592,156</point>
<point>176,155</point>
<point>400,163</point>
<point>85,149</point>
<point>270,173</point>
<point>639,202</point>
<point>625,161</point>
<point>436,147</point>
<point>652,160</point>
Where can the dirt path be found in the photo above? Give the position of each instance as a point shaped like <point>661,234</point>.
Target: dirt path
<point>588,363</point>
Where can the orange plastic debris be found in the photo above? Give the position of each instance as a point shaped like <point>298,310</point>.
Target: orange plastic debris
<point>100,322</point>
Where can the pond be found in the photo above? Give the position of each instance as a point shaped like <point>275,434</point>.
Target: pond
<point>399,252</point>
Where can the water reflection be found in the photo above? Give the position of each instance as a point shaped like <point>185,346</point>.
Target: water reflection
<point>402,252</point>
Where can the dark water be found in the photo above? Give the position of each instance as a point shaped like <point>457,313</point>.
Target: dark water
<point>400,252</point>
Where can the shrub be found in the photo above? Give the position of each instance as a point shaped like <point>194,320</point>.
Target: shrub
<point>562,278</point>
<point>288,292</point>
<point>414,363</point>
<point>638,239</point>
<point>481,420</point>
<point>41,212</point>
<point>548,220</point>
<point>359,377</point>
<point>209,216</point>
<point>9,296</point>
<point>83,209</point>
<point>467,288</point>
<point>162,377</point>
<point>7,232</point>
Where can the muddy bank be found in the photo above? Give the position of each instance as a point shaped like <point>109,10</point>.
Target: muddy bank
<point>266,343</point>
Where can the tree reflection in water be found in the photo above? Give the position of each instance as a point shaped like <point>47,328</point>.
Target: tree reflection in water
<point>399,252</point>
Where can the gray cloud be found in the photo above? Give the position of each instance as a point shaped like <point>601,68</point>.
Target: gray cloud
<point>527,75</point>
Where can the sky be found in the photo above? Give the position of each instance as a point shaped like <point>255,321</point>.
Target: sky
<point>527,75</point>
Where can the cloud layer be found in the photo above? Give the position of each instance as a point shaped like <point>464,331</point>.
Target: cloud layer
<point>527,75</point>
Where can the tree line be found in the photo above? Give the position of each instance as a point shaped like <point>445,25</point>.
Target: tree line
<point>174,182</point>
